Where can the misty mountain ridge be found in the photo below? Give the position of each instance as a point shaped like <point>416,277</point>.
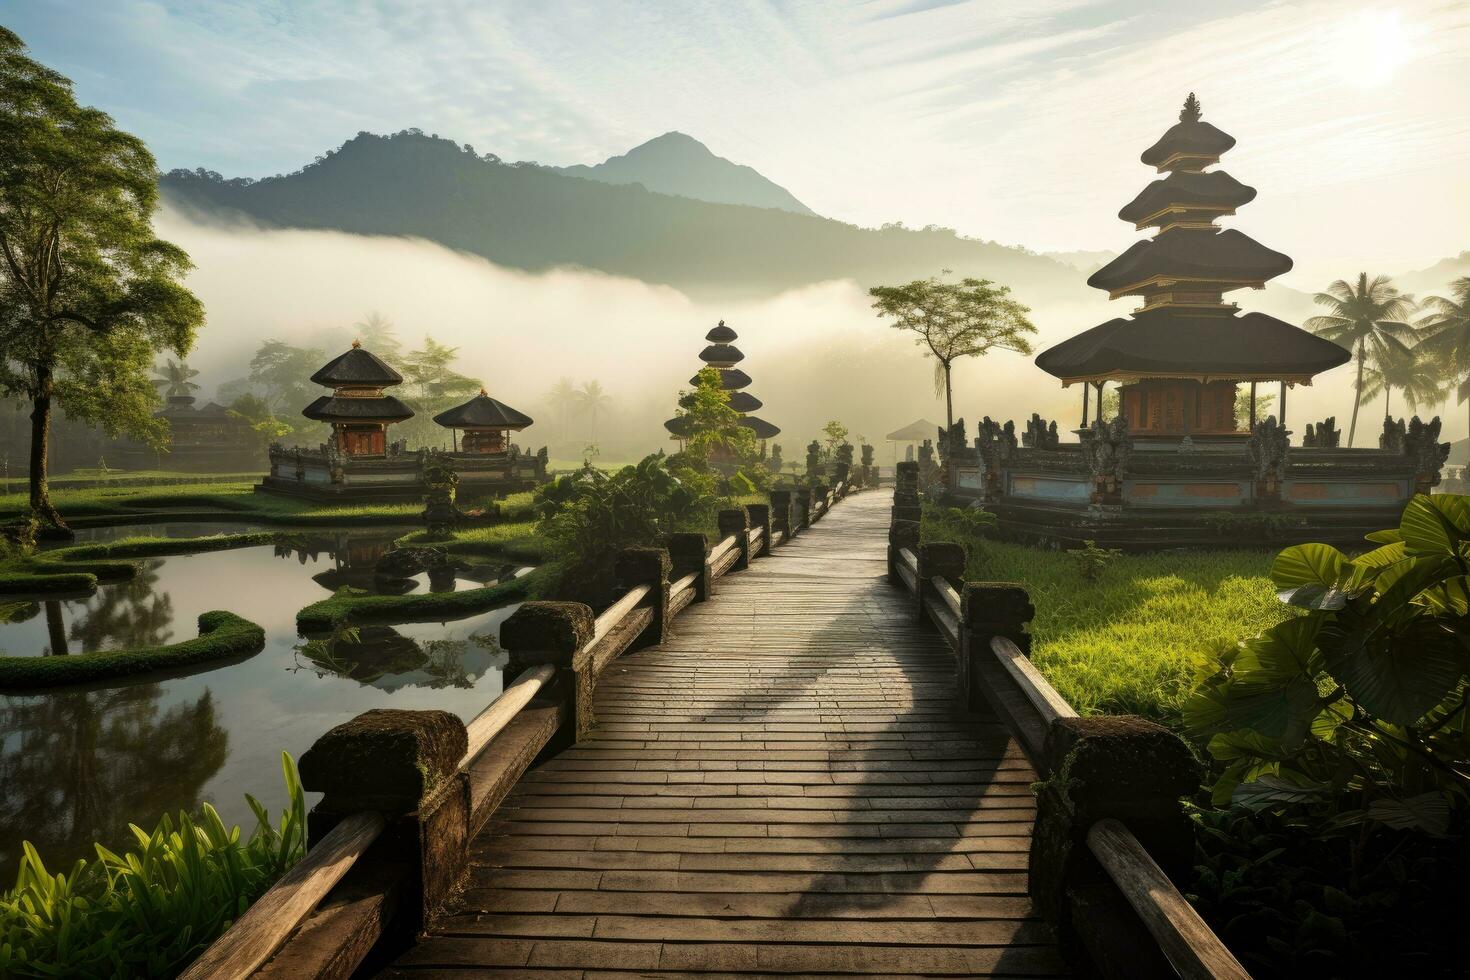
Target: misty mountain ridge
<point>526,216</point>
<point>681,165</point>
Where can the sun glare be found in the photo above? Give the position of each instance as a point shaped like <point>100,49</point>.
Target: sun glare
<point>1371,46</point>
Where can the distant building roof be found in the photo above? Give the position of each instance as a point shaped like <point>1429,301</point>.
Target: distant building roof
<point>331,408</point>
<point>357,367</point>
<point>761,428</point>
<point>744,401</point>
<point>483,412</point>
<point>721,334</point>
<point>914,432</point>
<point>1189,137</point>
<point>731,379</point>
<point>1212,256</point>
<point>1215,189</point>
<point>721,354</point>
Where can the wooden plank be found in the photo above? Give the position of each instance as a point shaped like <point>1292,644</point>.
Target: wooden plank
<point>1047,702</point>
<point>257,934</point>
<point>1191,947</point>
<point>488,723</point>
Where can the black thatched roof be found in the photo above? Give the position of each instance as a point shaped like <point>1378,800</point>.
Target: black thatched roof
<point>721,354</point>
<point>1186,189</point>
<point>744,401</point>
<point>761,428</point>
<point>731,379</point>
<point>720,334</point>
<point>679,426</point>
<point>1173,343</point>
<point>1188,136</point>
<point>483,412</point>
<point>385,408</point>
<point>357,367</point>
<point>914,432</point>
<point>1192,254</point>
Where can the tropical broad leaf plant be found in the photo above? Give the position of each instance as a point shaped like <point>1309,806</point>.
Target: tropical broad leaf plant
<point>1359,701</point>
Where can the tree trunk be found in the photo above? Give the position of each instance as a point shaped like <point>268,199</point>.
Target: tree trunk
<point>54,627</point>
<point>948,401</point>
<point>40,439</point>
<point>1357,395</point>
<point>1387,401</point>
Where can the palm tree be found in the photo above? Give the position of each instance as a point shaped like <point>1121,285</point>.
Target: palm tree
<point>1368,314</point>
<point>174,379</point>
<point>1412,373</point>
<point>376,333</point>
<point>590,399</point>
<point>1446,332</point>
<point>563,396</point>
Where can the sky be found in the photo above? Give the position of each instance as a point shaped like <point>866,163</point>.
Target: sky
<point>1018,121</point>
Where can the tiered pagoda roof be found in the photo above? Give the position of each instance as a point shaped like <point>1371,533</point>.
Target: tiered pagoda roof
<point>1185,329</point>
<point>357,379</point>
<point>483,412</point>
<point>723,355</point>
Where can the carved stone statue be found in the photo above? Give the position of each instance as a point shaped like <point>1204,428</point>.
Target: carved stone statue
<point>1039,435</point>
<point>814,458</point>
<point>1421,444</point>
<point>955,437</point>
<point>1323,435</point>
<point>1393,435</point>
<point>995,443</point>
<point>1107,454</point>
<point>1269,448</point>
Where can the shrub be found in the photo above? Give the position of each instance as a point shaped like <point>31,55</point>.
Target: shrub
<point>150,911</point>
<point>1092,561</point>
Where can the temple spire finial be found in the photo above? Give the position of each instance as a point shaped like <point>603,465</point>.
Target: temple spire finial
<point>483,392</point>
<point>1191,110</point>
<point>356,344</point>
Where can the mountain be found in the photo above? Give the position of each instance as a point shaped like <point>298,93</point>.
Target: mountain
<point>530,217</point>
<point>1435,280</point>
<point>1083,261</point>
<point>678,164</point>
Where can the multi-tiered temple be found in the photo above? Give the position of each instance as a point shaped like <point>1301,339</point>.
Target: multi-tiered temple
<point>723,355</point>
<point>1179,463</point>
<point>360,463</point>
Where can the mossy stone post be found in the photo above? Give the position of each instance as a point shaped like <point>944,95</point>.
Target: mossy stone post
<point>989,609</point>
<point>737,522</point>
<point>1131,770</point>
<point>555,633</point>
<point>842,475</point>
<point>906,493</point>
<point>943,559</point>
<point>819,496</point>
<point>781,513</point>
<point>901,534</point>
<point>759,516</point>
<point>405,766</point>
<point>646,566</point>
<point>802,496</point>
<point>689,552</point>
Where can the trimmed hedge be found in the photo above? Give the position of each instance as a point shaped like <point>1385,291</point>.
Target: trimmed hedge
<point>154,547</point>
<point>354,605</point>
<point>221,634</point>
<point>78,569</point>
<point>18,583</point>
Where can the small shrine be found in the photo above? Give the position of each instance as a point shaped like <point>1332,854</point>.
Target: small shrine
<point>723,355</point>
<point>482,425</point>
<point>357,410</point>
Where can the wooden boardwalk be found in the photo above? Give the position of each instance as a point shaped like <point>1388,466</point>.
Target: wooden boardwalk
<point>784,787</point>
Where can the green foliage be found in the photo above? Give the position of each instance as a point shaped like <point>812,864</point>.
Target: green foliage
<point>714,427</point>
<point>175,379</point>
<point>1092,561</point>
<point>89,294</point>
<point>1366,317</point>
<point>149,911</point>
<point>1253,526</point>
<point>221,634</point>
<point>349,605</point>
<point>431,386</point>
<point>256,411</point>
<point>834,434</point>
<point>1358,704</point>
<point>282,376</point>
<point>591,515</point>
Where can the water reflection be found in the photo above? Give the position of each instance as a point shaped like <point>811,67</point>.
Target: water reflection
<point>78,767</point>
<point>75,766</point>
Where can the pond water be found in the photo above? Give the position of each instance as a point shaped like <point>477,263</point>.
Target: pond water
<point>80,765</point>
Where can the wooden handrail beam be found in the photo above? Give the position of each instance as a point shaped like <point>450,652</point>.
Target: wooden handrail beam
<point>500,712</point>
<point>946,592</point>
<point>614,613</point>
<point>718,551</point>
<point>680,585</point>
<point>1189,945</point>
<point>256,935</point>
<point>1048,703</point>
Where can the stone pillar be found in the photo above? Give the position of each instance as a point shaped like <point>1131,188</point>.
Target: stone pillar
<point>819,496</point>
<point>906,493</point>
<point>781,512</point>
<point>690,553</point>
<point>990,609</point>
<point>736,522</point>
<point>555,633</point>
<point>759,516</point>
<point>942,558</point>
<point>1121,767</point>
<point>405,766</point>
<point>803,499</point>
<point>646,566</point>
<point>843,474</point>
<point>901,534</point>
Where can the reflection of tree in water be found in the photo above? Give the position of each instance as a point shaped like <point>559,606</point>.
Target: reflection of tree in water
<point>382,657</point>
<point>128,614</point>
<point>78,767</point>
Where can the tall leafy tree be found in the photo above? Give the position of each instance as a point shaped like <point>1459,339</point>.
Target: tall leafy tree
<point>431,385</point>
<point>88,295</point>
<point>1446,332</point>
<point>281,374</point>
<point>1411,372</point>
<point>713,424</point>
<point>591,401</point>
<point>951,320</point>
<point>563,399</point>
<point>1368,318</point>
<point>175,378</point>
<point>377,334</point>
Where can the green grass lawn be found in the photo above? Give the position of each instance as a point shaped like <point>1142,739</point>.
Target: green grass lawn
<point>1130,641</point>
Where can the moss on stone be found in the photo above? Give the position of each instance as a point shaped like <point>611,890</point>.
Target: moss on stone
<point>354,605</point>
<point>221,635</point>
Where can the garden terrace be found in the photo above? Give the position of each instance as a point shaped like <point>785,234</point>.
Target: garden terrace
<point>328,475</point>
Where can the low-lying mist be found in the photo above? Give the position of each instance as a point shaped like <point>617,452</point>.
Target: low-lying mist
<point>814,354</point>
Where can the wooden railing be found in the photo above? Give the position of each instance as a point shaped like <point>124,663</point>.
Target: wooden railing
<point>1123,781</point>
<point>405,792</point>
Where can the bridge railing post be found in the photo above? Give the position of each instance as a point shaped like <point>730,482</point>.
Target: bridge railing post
<point>646,566</point>
<point>689,552</point>
<point>802,496</point>
<point>555,633</point>
<point>404,765</point>
<point>760,517</point>
<point>989,609</point>
<point>901,534</point>
<point>781,513</point>
<point>906,493</point>
<point>944,559</point>
<point>820,495</point>
<point>736,521</point>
